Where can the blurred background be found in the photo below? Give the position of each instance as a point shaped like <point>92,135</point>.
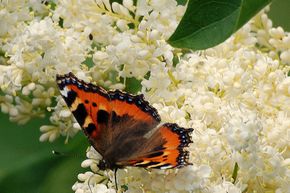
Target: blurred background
<point>28,166</point>
<point>280,14</point>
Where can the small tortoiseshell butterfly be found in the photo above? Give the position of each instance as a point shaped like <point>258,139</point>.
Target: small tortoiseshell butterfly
<point>124,128</point>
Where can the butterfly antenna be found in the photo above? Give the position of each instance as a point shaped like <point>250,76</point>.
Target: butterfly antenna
<point>58,153</point>
<point>116,183</point>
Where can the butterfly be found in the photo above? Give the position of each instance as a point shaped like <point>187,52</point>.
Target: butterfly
<point>124,128</point>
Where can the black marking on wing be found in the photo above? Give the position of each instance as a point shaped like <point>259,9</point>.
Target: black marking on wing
<point>90,128</point>
<point>159,148</point>
<point>115,118</point>
<point>155,154</point>
<point>71,97</point>
<point>80,114</point>
<point>138,100</point>
<point>102,117</point>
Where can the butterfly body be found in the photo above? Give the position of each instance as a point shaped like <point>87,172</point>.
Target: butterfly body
<point>124,128</point>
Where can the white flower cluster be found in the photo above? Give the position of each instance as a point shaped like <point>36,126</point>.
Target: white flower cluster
<point>236,95</point>
<point>35,50</point>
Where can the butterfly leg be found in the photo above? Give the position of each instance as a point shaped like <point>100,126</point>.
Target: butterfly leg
<point>116,183</point>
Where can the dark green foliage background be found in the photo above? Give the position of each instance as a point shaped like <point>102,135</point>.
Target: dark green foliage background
<point>28,166</point>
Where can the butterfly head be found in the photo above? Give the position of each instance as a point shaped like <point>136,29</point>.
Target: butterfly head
<point>103,165</point>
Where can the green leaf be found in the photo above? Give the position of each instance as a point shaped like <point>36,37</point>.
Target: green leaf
<point>60,22</point>
<point>181,2</point>
<point>89,62</point>
<point>51,3</point>
<point>235,173</point>
<point>27,165</point>
<point>132,85</point>
<point>63,175</point>
<point>207,23</point>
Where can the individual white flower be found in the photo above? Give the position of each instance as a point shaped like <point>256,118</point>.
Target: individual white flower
<point>242,129</point>
<point>121,10</point>
<point>188,179</point>
<point>6,103</point>
<point>50,133</point>
<point>244,36</point>
<point>225,187</point>
<point>171,114</point>
<point>204,106</point>
<point>13,15</point>
<point>93,159</point>
<point>26,90</point>
<point>93,181</point>
<point>143,8</point>
<point>11,79</point>
<point>90,183</point>
<point>63,123</point>
<point>129,4</point>
<point>23,111</point>
<point>276,130</point>
<point>158,80</point>
<point>91,15</point>
<point>285,57</point>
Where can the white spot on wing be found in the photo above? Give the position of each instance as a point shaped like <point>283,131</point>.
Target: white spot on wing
<point>142,163</point>
<point>165,167</point>
<point>64,91</point>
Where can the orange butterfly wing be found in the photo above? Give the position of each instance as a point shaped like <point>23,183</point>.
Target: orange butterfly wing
<point>164,149</point>
<point>123,127</point>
